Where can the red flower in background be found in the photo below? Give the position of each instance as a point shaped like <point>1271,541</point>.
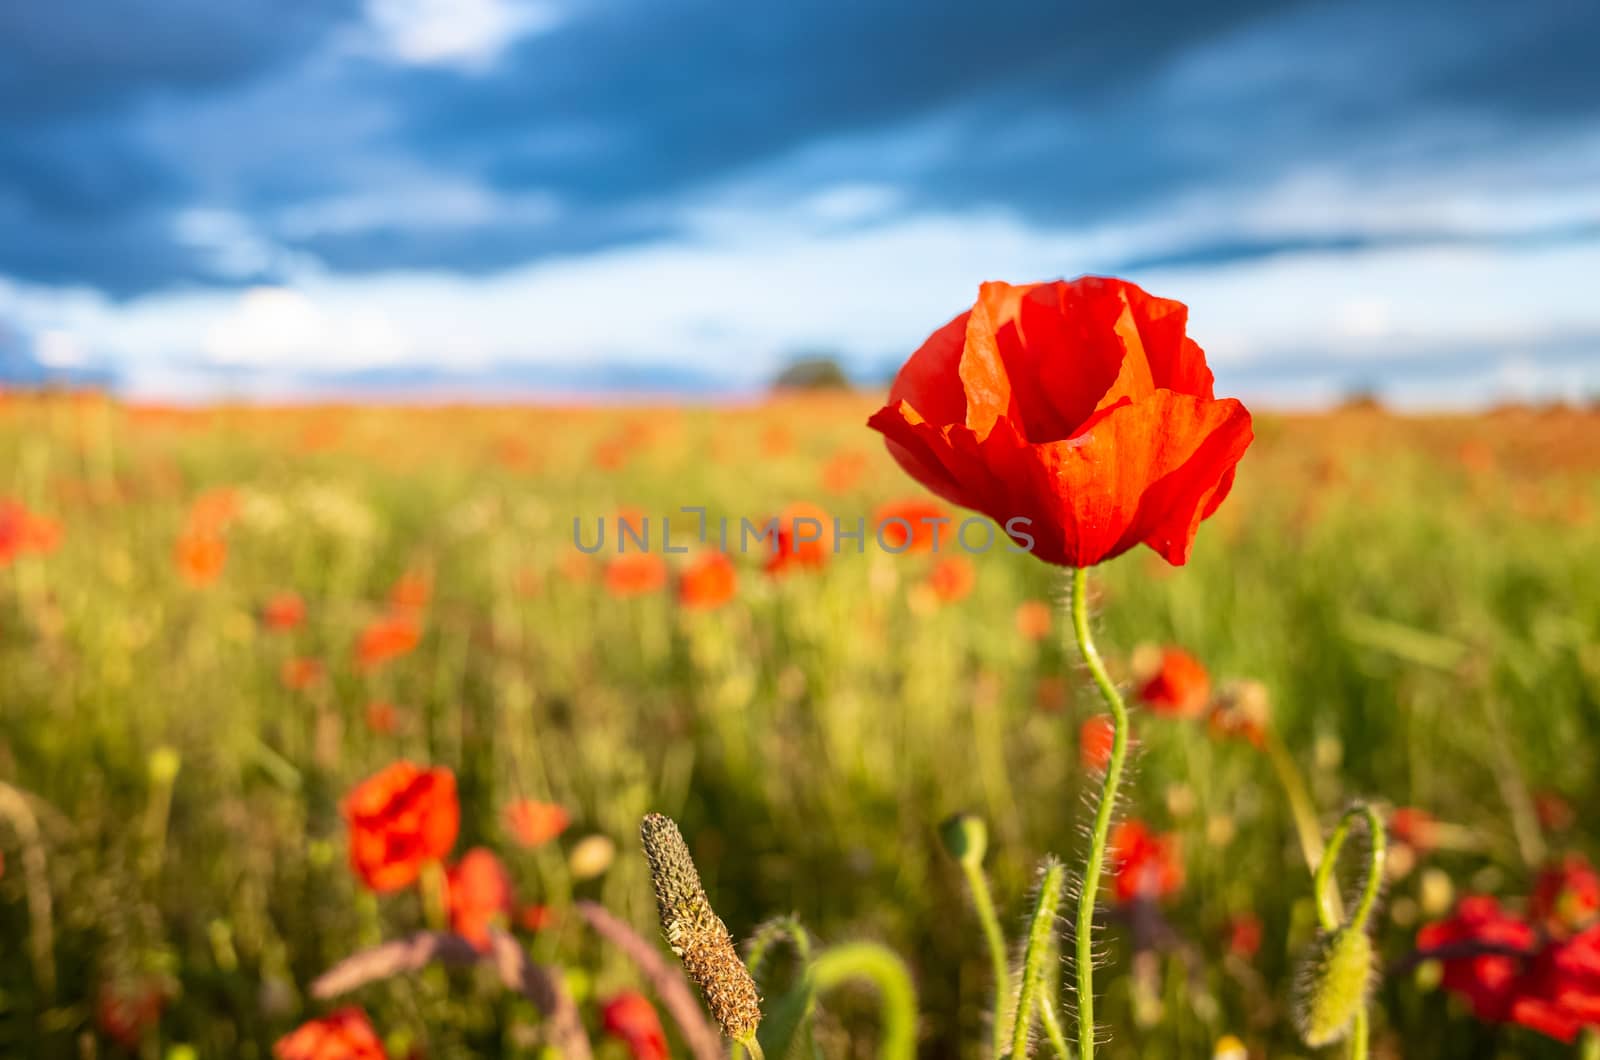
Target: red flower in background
<point>536,917</point>
<point>1566,897</point>
<point>478,894</point>
<point>382,718</point>
<point>1413,827</point>
<point>536,823</point>
<point>1560,994</point>
<point>910,526</point>
<point>803,539</point>
<point>1244,935</point>
<point>126,1012</point>
<point>1095,738</point>
<point>390,637</point>
<point>284,612</point>
<point>201,555</point>
<point>300,674</point>
<point>1145,864</point>
<point>951,579</point>
<point>708,582</point>
<point>400,819</point>
<point>22,532</point>
<point>1180,686</point>
<point>412,592</point>
<point>1034,619</point>
<point>343,1035</point>
<point>630,1017</point>
<point>1488,982</point>
<point>635,573</point>
<point>1079,406</point>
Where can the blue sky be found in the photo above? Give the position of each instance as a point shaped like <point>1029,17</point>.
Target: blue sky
<point>274,197</point>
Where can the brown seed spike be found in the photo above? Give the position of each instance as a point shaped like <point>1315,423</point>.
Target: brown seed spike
<point>695,932</point>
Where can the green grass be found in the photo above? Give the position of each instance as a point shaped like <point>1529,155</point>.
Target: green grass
<point>1428,628</point>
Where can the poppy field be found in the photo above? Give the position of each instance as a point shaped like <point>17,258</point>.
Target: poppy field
<point>328,731</point>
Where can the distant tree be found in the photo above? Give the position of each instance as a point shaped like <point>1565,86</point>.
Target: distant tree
<point>812,371</point>
<point>1361,395</point>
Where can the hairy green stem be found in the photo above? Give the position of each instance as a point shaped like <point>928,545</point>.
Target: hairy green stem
<point>769,934</point>
<point>1589,1045</point>
<point>1358,1036</point>
<point>1103,813</point>
<point>1041,929</point>
<point>1327,915</point>
<point>897,997</point>
<point>1052,1028</point>
<point>1000,964</point>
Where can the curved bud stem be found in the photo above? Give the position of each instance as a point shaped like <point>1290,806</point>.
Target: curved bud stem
<point>1040,931</point>
<point>1084,940</point>
<point>769,934</point>
<point>1327,916</point>
<point>898,998</point>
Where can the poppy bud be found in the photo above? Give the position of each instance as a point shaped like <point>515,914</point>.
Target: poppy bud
<point>966,837</point>
<point>1331,985</point>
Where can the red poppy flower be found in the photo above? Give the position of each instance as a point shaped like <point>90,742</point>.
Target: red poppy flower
<point>803,539</point>
<point>1560,993</point>
<point>536,917</point>
<point>201,555</point>
<point>1566,896</point>
<point>1034,620</point>
<point>400,819</point>
<point>478,893</point>
<point>1078,407</point>
<point>1244,935</point>
<point>343,1035</point>
<point>635,573</point>
<point>1144,864</point>
<point>951,579</point>
<point>1416,828</point>
<point>1180,686</point>
<point>382,718</point>
<point>412,592</point>
<point>536,823</point>
<point>214,510</point>
<point>125,1012</point>
<point>23,531</point>
<point>1488,982</point>
<point>1095,738</point>
<point>1555,812</point>
<point>630,1017</point>
<point>300,674</point>
<point>389,637</point>
<point>910,526</point>
<point>708,582</point>
<point>843,471</point>
<point>284,612</point>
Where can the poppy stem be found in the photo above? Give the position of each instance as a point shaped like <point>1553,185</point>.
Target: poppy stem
<point>1040,930</point>
<point>999,962</point>
<point>1327,914</point>
<point>1589,1045</point>
<point>1084,939</point>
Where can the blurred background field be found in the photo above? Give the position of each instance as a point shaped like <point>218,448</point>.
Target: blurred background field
<point>1418,596</point>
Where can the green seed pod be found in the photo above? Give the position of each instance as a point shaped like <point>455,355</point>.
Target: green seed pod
<point>1332,984</point>
<point>966,837</point>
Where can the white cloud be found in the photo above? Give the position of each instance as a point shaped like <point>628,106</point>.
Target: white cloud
<point>470,34</point>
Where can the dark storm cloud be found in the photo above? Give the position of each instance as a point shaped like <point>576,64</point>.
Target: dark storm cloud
<point>627,110</point>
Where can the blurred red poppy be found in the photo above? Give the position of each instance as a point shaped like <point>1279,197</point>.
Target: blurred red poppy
<point>1566,896</point>
<point>1034,620</point>
<point>1080,407</point>
<point>635,574</point>
<point>401,819</point>
<point>951,579</point>
<point>1559,995</point>
<point>478,894</point>
<point>22,531</point>
<point>1144,864</point>
<point>300,674</point>
<point>1179,687</point>
<point>411,592</point>
<point>1244,935</point>
<point>285,611</point>
<point>126,1012</point>
<point>343,1035</point>
<point>382,718</point>
<point>1413,827</point>
<point>1488,982</point>
<point>536,823</point>
<point>630,1017</point>
<point>843,471</point>
<point>1095,737</point>
<point>389,637</point>
<point>536,917</point>
<point>708,582</point>
<point>910,526</point>
<point>803,539</point>
<point>201,555</point>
